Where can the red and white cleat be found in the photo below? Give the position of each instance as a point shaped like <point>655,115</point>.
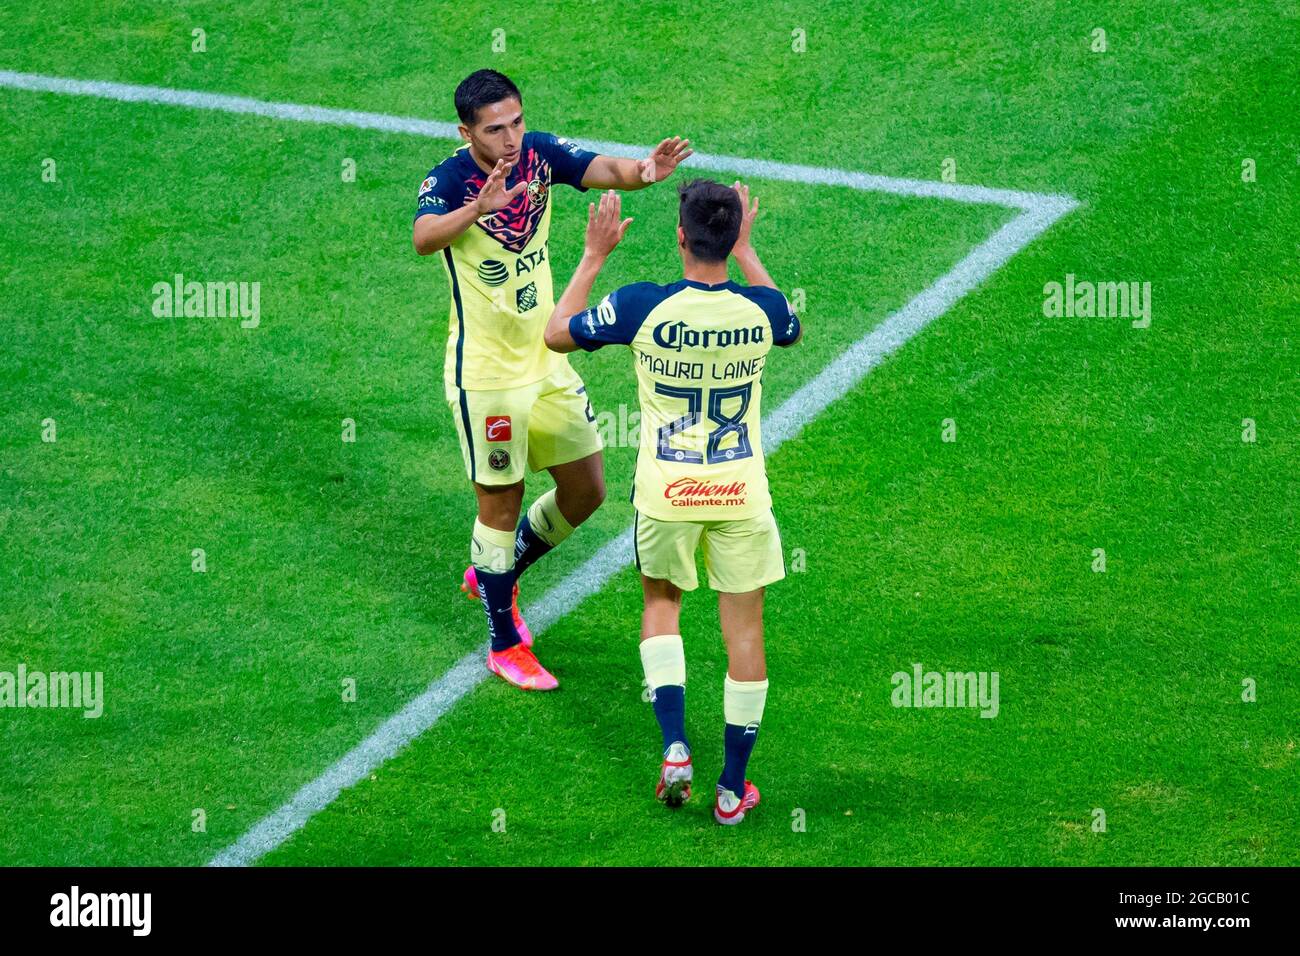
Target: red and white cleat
<point>470,587</point>
<point>730,810</point>
<point>674,786</point>
<point>519,666</point>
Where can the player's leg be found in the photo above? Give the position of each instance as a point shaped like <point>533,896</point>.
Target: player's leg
<point>562,439</point>
<point>492,426</point>
<point>493,430</point>
<point>578,492</point>
<point>499,505</point>
<point>744,695</point>
<point>579,487</point>
<point>492,558</point>
<point>742,557</point>
<point>663,661</point>
<point>498,508</point>
<point>665,554</point>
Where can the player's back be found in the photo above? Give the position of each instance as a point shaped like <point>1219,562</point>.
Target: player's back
<point>700,352</point>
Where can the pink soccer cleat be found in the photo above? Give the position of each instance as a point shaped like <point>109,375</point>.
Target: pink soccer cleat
<point>728,810</point>
<point>518,665</point>
<point>470,587</point>
<point>674,786</point>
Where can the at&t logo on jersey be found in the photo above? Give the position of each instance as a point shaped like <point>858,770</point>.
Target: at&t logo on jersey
<point>529,260</point>
<point>497,428</point>
<point>493,272</point>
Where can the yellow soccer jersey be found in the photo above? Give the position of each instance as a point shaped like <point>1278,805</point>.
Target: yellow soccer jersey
<point>499,268</point>
<point>700,351</point>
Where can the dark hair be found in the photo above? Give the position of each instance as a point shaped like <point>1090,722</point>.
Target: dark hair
<point>483,88</point>
<point>710,217</point>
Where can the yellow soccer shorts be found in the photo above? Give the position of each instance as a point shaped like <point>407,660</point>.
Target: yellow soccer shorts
<point>741,554</point>
<point>546,423</point>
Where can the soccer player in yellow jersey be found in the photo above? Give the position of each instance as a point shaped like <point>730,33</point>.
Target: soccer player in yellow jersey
<point>487,210</point>
<point>700,345</point>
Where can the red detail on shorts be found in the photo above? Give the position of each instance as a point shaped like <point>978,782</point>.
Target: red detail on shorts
<point>497,428</point>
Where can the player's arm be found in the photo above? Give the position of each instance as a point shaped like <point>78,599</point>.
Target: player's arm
<point>613,172</point>
<point>605,228</point>
<point>745,255</point>
<point>743,251</point>
<point>433,231</point>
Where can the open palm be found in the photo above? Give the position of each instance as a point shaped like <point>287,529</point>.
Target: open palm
<point>660,164</point>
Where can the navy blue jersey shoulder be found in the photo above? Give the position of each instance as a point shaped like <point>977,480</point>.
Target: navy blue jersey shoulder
<point>445,188</point>
<point>785,324</point>
<point>620,315</point>
<point>568,161</point>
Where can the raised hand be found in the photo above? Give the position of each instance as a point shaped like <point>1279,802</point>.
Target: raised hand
<point>748,214</point>
<point>604,230</point>
<point>660,164</point>
<point>494,195</point>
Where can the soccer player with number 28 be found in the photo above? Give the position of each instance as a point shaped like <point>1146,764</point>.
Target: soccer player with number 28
<point>487,209</point>
<point>700,345</point>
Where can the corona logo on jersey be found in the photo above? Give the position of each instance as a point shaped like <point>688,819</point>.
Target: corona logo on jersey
<point>679,335</point>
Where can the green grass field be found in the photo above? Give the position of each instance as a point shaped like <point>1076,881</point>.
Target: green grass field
<point>1120,691</point>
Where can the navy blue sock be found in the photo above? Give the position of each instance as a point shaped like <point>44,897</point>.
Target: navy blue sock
<point>528,547</point>
<point>739,743</point>
<point>497,592</point>
<point>670,710</point>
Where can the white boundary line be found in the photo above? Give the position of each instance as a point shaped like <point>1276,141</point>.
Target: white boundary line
<point>1038,212</point>
<point>812,175</point>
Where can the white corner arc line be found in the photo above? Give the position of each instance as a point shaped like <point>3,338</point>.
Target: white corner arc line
<point>1038,212</point>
